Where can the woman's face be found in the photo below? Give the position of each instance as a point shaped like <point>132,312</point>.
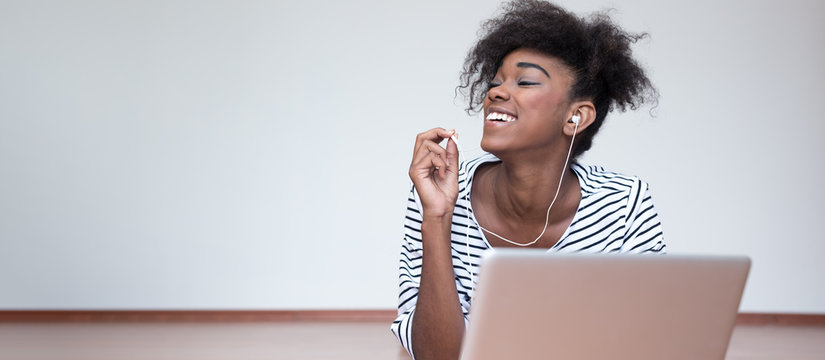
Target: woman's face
<point>527,104</point>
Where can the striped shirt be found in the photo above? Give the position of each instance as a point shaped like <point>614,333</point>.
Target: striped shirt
<point>615,214</point>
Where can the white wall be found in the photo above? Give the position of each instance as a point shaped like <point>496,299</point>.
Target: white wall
<point>253,155</point>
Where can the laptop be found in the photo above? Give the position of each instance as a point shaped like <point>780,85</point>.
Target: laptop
<point>530,304</point>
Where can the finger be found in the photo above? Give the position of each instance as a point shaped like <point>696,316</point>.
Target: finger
<point>431,135</point>
<point>439,165</point>
<point>434,148</point>
<point>428,147</point>
<point>451,155</point>
<point>421,152</point>
<point>427,166</point>
<point>434,134</point>
<point>423,159</point>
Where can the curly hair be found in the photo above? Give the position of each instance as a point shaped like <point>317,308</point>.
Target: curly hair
<point>595,49</point>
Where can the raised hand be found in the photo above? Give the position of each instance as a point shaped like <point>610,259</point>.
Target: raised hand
<point>434,172</point>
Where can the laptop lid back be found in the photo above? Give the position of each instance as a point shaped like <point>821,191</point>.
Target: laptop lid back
<point>535,305</point>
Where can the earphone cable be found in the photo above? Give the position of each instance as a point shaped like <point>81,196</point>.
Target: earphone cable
<point>547,215</point>
<point>469,212</point>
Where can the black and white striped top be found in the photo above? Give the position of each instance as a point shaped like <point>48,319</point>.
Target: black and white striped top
<point>615,214</point>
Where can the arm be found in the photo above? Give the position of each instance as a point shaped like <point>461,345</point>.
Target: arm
<point>439,324</point>
<point>431,321</point>
<point>410,278</point>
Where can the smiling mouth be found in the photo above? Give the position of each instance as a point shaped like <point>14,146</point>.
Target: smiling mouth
<point>497,116</point>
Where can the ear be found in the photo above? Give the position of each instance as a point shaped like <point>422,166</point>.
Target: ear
<point>586,113</point>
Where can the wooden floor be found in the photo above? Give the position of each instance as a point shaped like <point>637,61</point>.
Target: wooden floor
<point>304,340</point>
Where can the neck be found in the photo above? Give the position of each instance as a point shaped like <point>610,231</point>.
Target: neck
<point>524,187</point>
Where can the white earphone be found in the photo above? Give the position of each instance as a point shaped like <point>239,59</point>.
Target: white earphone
<point>575,119</point>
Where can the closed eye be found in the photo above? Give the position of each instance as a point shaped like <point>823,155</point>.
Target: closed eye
<point>527,83</point>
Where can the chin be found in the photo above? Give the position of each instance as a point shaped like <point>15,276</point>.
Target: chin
<point>492,146</point>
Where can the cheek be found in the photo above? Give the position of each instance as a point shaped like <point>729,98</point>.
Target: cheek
<point>546,104</point>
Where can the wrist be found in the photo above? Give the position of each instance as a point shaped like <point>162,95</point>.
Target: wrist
<point>435,234</point>
<point>437,217</point>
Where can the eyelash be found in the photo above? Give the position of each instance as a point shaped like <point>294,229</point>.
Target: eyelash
<point>520,83</point>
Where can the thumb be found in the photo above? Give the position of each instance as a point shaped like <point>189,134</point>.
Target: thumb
<point>452,152</point>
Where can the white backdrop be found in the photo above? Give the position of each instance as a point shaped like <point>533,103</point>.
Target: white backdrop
<point>253,155</point>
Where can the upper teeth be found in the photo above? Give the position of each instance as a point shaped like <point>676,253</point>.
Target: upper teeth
<point>500,116</point>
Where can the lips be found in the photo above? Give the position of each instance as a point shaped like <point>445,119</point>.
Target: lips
<point>498,116</point>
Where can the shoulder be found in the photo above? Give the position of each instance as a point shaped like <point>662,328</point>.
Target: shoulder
<point>468,167</point>
<point>596,179</point>
<point>467,170</point>
<point>603,186</point>
<point>615,214</point>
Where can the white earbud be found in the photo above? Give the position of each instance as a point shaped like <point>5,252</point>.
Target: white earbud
<point>575,119</point>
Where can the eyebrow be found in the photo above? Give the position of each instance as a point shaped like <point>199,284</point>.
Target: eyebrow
<point>531,65</point>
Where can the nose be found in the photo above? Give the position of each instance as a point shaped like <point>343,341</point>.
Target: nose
<point>498,93</point>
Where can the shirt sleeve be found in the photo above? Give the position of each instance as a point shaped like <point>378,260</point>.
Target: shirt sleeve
<point>409,272</point>
<point>644,230</point>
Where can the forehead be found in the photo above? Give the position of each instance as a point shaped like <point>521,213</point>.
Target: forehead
<point>554,66</point>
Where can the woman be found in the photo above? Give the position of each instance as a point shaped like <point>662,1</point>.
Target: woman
<point>545,79</point>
